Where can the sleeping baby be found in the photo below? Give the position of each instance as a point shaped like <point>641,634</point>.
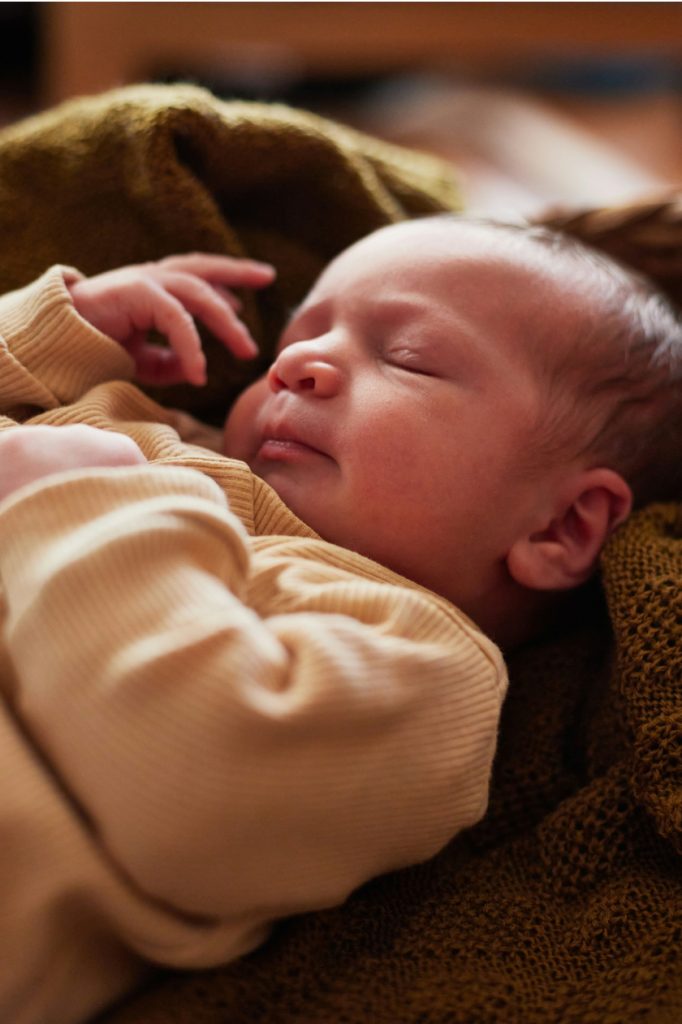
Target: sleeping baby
<point>238,684</point>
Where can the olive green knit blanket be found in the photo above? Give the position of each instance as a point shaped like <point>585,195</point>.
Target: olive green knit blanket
<point>565,904</point>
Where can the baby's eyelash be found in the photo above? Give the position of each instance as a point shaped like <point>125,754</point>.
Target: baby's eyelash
<point>411,364</point>
<point>417,371</point>
<point>400,355</point>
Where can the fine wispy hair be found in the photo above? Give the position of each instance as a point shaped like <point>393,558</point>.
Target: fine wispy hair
<point>614,386</point>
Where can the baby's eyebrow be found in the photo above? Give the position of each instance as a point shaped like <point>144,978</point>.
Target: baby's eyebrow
<point>310,312</point>
<point>401,307</point>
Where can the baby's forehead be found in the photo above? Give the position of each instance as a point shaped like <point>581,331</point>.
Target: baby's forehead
<point>504,274</point>
<point>453,249</point>
<point>451,241</point>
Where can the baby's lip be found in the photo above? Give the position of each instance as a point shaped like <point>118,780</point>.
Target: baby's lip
<point>281,437</point>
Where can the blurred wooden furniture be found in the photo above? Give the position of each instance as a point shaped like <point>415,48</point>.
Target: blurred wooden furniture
<point>88,47</point>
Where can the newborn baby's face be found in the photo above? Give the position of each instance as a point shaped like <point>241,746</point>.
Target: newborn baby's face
<point>397,411</point>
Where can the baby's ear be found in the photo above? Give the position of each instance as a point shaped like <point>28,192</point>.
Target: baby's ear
<point>563,552</point>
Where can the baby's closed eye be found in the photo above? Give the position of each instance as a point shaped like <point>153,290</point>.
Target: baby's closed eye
<point>411,360</point>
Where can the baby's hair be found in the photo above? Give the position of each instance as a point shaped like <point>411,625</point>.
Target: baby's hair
<point>614,394</point>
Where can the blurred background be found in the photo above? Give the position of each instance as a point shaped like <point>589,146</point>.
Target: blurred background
<point>539,104</point>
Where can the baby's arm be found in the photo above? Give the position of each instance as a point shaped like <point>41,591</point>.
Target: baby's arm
<point>245,736</point>
<point>63,334</point>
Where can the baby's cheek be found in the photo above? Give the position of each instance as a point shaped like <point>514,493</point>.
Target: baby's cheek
<point>240,430</point>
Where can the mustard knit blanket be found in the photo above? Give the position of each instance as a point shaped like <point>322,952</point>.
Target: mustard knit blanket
<point>565,903</point>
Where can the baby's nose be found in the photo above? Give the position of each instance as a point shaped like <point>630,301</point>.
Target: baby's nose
<point>299,368</point>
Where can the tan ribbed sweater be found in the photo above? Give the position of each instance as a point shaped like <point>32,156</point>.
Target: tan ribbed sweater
<point>211,718</point>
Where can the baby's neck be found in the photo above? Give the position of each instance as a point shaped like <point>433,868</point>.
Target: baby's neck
<point>514,615</point>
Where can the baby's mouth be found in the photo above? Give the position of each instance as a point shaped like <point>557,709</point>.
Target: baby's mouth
<point>285,446</point>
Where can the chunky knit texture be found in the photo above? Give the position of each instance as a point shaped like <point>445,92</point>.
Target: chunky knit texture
<point>565,904</point>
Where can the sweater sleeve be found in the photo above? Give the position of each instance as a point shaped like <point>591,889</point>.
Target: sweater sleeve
<point>50,355</point>
<point>249,732</point>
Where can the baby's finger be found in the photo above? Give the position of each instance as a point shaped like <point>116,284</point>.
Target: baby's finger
<point>154,364</point>
<point>213,309</point>
<point>165,314</point>
<point>223,270</point>
<point>237,304</point>
<point>159,366</point>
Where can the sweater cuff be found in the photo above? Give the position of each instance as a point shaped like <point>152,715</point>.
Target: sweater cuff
<point>50,340</point>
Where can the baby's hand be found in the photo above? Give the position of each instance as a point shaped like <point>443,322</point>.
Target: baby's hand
<point>29,453</point>
<point>127,303</point>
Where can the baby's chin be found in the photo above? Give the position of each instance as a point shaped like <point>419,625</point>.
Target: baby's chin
<point>277,479</point>
<point>298,497</point>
